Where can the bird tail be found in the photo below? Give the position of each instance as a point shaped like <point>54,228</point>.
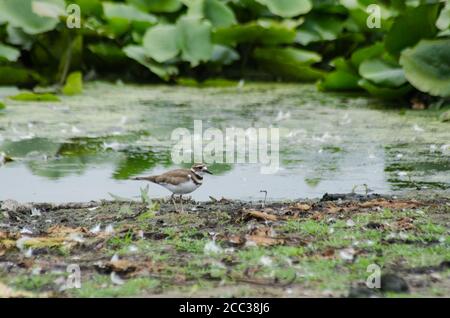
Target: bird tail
<point>150,178</point>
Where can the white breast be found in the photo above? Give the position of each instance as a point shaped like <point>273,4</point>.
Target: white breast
<point>182,188</point>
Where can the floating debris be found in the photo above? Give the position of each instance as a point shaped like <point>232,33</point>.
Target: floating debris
<point>116,279</point>
<point>347,254</point>
<point>133,249</point>
<point>282,116</point>
<point>10,205</point>
<point>35,212</point>
<point>212,248</point>
<point>4,158</point>
<point>25,231</point>
<point>76,237</point>
<point>96,229</point>
<point>418,128</point>
<point>109,229</point>
<point>265,261</point>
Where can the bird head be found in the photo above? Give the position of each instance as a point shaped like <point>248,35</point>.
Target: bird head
<point>200,169</point>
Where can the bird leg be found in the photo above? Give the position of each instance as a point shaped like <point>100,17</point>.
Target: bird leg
<point>173,201</point>
<point>181,202</point>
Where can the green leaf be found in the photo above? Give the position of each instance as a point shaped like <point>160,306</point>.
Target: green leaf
<point>329,6</point>
<point>29,96</point>
<point>48,8</point>
<point>443,22</point>
<point>340,81</point>
<point>224,55</point>
<point>117,26</point>
<point>343,78</point>
<point>194,40</point>
<point>289,62</point>
<point>14,75</point>
<point>138,53</point>
<point>410,27</point>
<point>385,92</point>
<point>287,8</point>
<point>319,28</point>
<point>382,73</point>
<point>108,52</point>
<point>20,13</point>
<point>74,84</point>
<point>89,8</point>
<point>367,52</point>
<point>218,13</point>
<point>358,15</point>
<point>18,37</point>
<point>127,12</point>
<point>293,55</point>
<point>157,5</point>
<point>261,31</point>
<point>427,66</point>
<point>8,53</point>
<point>2,106</point>
<point>160,42</point>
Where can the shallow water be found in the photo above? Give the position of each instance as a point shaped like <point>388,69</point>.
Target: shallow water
<point>85,147</point>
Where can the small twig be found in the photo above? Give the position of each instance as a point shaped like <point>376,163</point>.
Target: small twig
<point>265,197</point>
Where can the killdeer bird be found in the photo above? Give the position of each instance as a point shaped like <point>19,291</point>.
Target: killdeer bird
<point>180,181</point>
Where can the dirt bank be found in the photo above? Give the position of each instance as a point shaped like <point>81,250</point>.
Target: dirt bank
<point>227,248</point>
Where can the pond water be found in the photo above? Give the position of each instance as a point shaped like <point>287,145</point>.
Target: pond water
<point>88,146</point>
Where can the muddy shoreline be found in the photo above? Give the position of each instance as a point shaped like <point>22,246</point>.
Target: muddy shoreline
<point>299,248</point>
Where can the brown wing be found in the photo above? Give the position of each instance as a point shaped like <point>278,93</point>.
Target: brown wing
<point>175,177</point>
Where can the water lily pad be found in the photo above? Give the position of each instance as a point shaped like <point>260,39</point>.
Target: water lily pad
<point>20,13</point>
<point>157,5</point>
<point>107,52</point>
<point>340,81</point>
<point>319,28</point>
<point>15,75</point>
<point>384,92</point>
<point>287,8</point>
<point>8,53</point>
<point>89,8</point>
<point>74,84</point>
<point>224,55</point>
<point>412,26</point>
<point>289,62</point>
<point>29,96</point>
<point>194,40</point>
<point>217,12</point>
<point>358,15</point>
<point>427,66</point>
<point>138,53</point>
<point>160,42</point>
<point>261,31</point>
<point>382,73</point>
<point>443,22</point>
<point>127,12</point>
<point>18,37</point>
<point>367,52</point>
<point>343,78</point>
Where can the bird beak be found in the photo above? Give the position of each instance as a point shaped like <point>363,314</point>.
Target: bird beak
<point>207,171</point>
